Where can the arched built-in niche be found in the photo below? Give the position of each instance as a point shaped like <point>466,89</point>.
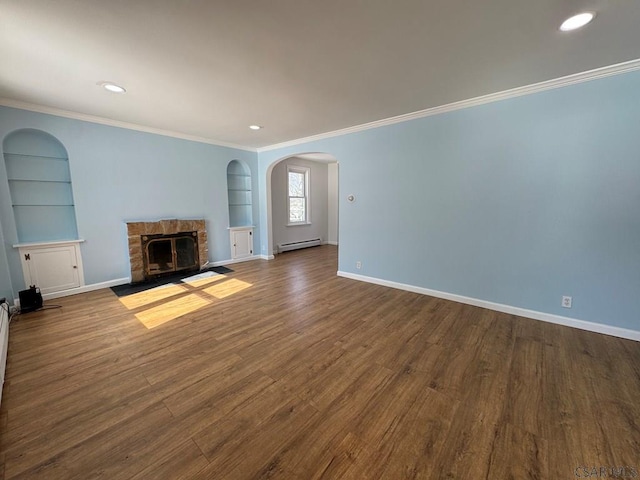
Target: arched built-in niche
<point>239,194</point>
<point>40,186</point>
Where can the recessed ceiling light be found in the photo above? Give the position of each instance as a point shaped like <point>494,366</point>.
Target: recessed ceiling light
<point>255,127</point>
<point>577,21</point>
<point>112,87</point>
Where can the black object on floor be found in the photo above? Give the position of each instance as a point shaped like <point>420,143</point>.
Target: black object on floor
<point>30,299</point>
<point>131,288</point>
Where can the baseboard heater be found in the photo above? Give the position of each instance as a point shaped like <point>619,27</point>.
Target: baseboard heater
<point>285,247</point>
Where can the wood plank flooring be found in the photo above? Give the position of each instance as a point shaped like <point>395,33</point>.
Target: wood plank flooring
<point>283,370</point>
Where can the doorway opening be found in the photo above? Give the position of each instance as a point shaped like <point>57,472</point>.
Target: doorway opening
<point>309,182</point>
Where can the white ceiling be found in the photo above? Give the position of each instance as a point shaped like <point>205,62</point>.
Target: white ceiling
<point>210,68</point>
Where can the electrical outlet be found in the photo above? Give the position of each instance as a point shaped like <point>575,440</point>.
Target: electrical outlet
<point>358,264</point>
<point>566,302</point>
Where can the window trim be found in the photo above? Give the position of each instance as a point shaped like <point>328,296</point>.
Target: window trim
<point>306,171</point>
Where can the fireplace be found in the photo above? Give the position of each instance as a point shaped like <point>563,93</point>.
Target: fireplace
<point>159,248</point>
<point>169,253</point>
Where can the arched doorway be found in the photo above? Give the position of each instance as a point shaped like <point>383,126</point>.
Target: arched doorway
<point>318,172</point>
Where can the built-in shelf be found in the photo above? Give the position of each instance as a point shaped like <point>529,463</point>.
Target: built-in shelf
<point>239,194</point>
<point>38,181</point>
<point>43,205</point>
<point>40,186</point>
<point>64,159</point>
<point>49,244</point>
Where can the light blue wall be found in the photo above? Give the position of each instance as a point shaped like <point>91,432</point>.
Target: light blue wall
<point>6,289</point>
<point>516,202</point>
<point>123,175</point>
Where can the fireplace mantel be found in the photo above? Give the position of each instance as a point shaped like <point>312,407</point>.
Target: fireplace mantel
<point>135,231</point>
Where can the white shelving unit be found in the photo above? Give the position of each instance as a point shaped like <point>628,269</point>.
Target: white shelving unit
<point>240,209</point>
<point>239,195</point>
<point>40,187</point>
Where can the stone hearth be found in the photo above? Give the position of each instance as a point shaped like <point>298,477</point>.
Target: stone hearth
<point>135,230</point>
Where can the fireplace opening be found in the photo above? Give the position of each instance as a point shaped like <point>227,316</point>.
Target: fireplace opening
<point>170,253</point>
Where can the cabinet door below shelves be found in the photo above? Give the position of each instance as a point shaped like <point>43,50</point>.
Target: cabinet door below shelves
<point>52,269</point>
<point>241,243</point>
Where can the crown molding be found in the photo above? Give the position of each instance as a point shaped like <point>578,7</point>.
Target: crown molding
<point>7,102</point>
<point>573,79</point>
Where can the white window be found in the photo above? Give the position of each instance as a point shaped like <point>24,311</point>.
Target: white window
<point>298,195</point>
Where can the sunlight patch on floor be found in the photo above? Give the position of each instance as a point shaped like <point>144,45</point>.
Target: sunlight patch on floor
<point>150,296</point>
<point>225,289</point>
<point>175,300</point>
<point>197,281</point>
<point>166,312</point>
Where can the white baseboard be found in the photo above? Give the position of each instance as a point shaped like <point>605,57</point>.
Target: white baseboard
<point>332,243</point>
<point>240,260</point>
<point>499,307</point>
<point>82,289</point>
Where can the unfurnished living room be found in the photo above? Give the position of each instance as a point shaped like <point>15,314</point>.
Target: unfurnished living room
<point>319,239</point>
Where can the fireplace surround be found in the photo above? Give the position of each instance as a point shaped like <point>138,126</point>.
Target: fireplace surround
<point>168,243</point>
<point>170,253</point>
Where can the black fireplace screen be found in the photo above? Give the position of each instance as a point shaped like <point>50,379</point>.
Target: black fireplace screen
<point>170,253</point>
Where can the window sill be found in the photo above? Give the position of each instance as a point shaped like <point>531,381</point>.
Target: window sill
<point>299,224</point>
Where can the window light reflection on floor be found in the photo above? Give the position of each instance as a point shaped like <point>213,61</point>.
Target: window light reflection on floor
<point>199,282</point>
<point>168,311</point>
<point>225,289</point>
<point>175,300</point>
<point>153,295</point>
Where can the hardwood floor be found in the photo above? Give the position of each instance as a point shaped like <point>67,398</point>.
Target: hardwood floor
<point>281,369</point>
